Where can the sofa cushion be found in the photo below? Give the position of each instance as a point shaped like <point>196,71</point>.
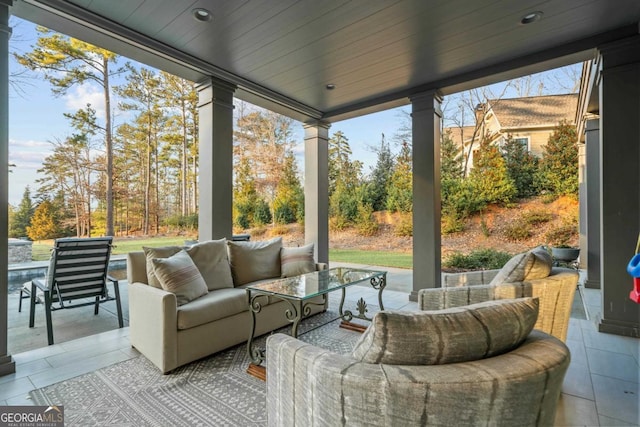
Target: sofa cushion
<point>296,261</point>
<point>251,261</point>
<point>150,254</point>
<point>179,275</point>
<point>212,260</point>
<point>539,265</point>
<point>513,270</point>
<point>453,335</point>
<point>215,305</point>
<point>531,265</point>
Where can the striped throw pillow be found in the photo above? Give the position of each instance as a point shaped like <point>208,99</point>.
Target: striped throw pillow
<point>539,265</point>
<point>513,270</point>
<point>150,254</point>
<point>179,275</point>
<point>296,261</point>
<point>453,335</point>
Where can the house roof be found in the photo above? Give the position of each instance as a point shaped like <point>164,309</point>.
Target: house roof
<point>458,134</point>
<point>535,110</point>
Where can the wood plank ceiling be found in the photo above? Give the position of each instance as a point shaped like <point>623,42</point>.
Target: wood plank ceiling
<point>375,52</point>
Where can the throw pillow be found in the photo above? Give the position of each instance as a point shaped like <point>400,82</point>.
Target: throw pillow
<point>179,275</point>
<point>150,254</point>
<point>539,265</point>
<point>212,260</point>
<point>453,335</point>
<point>296,261</point>
<point>251,261</point>
<point>513,270</point>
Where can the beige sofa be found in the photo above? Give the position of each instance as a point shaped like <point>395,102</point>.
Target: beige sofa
<point>528,274</point>
<point>171,335</point>
<point>409,369</point>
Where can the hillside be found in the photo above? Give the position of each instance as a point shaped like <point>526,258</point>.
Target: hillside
<point>475,236</point>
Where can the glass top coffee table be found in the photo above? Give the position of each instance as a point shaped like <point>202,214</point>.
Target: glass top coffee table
<point>300,293</point>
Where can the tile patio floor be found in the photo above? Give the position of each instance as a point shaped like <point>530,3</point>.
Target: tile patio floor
<point>601,387</point>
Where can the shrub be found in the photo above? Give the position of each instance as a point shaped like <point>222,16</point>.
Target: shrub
<point>338,223</point>
<point>486,232</point>
<point>279,230</point>
<point>559,165</point>
<point>560,236</point>
<point>462,198</point>
<point>262,213</point>
<point>536,217</point>
<point>365,223</point>
<point>522,167</point>
<point>404,227</point>
<point>284,214</point>
<point>518,230</point>
<point>451,223</point>
<point>258,232</point>
<point>481,259</point>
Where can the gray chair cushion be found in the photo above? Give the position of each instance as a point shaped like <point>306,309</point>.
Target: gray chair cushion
<point>453,335</point>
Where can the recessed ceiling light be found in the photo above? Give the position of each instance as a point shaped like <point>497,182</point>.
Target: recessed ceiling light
<point>531,17</point>
<point>330,86</point>
<point>202,15</point>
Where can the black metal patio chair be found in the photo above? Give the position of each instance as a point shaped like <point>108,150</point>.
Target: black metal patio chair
<point>77,271</point>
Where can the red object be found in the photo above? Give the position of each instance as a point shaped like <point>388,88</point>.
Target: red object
<point>635,293</point>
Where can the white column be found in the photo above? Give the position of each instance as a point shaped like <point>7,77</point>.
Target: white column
<point>426,116</point>
<point>316,188</point>
<point>215,171</point>
<point>7,365</point>
<point>620,183</point>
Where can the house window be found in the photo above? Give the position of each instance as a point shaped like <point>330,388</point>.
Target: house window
<point>523,141</point>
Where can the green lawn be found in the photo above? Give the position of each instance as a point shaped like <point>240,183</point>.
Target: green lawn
<point>42,248</point>
<point>122,246</point>
<point>384,259</point>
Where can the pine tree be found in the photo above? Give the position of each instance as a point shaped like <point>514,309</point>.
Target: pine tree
<point>289,193</point>
<point>380,176</point>
<point>450,164</point>
<point>522,167</point>
<point>400,190</point>
<point>44,224</point>
<point>489,175</point>
<point>559,166</point>
<point>21,218</point>
<point>67,62</point>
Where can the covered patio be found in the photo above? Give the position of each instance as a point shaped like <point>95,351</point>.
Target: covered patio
<point>322,62</point>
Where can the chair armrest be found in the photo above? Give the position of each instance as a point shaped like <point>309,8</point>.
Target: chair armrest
<point>40,284</point>
<point>112,279</point>
<point>153,324</point>
<point>321,266</point>
<point>441,298</point>
<point>468,278</point>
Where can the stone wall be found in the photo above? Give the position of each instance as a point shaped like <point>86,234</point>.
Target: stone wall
<point>19,251</point>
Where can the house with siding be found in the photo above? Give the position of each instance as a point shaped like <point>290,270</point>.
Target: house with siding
<point>530,120</point>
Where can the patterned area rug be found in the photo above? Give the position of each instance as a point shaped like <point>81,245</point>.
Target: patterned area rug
<point>215,391</point>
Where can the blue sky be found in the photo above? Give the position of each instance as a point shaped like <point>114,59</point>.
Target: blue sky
<point>36,118</point>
